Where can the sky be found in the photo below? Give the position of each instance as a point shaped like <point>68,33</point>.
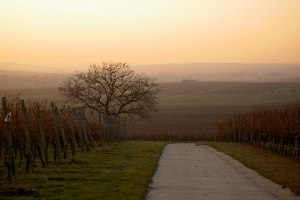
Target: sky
<point>69,34</point>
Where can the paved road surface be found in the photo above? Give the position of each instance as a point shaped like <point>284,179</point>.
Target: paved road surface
<point>190,172</point>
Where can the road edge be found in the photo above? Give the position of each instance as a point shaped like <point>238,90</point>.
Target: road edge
<point>268,185</point>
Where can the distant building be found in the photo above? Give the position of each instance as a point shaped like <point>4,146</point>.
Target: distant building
<point>189,81</point>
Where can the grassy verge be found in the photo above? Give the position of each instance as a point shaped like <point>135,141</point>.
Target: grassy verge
<point>280,169</point>
<point>114,172</point>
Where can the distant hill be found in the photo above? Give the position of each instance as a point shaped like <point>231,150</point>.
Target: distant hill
<point>14,67</point>
<point>11,73</point>
<point>232,72</point>
<point>223,72</point>
<point>19,79</point>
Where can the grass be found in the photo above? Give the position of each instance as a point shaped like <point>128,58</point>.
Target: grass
<point>115,172</point>
<point>281,169</point>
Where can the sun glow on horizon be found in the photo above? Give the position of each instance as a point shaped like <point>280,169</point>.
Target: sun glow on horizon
<point>158,31</point>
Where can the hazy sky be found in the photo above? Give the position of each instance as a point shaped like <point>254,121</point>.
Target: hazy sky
<point>78,32</point>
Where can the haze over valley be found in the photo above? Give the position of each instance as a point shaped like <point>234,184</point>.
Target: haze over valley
<point>231,72</point>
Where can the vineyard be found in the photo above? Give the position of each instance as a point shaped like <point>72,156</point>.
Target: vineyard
<point>275,130</point>
<point>170,134</point>
<point>39,132</point>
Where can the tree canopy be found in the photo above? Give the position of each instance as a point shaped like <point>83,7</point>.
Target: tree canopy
<point>112,88</point>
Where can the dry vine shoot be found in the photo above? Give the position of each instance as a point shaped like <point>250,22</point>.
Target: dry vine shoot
<point>39,133</point>
<point>276,130</point>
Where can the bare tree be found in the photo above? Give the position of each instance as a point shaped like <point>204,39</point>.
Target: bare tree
<point>112,88</point>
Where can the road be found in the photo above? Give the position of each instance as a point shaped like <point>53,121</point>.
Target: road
<point>199,92</point>
<point>190,172</point>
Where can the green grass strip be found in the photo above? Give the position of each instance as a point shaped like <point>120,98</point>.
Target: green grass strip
<point>281,169</point>
<point>116,172</point>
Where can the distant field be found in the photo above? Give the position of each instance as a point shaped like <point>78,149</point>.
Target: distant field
<point>196,106</point>
<point>199,106</point>
<point>49,93</point>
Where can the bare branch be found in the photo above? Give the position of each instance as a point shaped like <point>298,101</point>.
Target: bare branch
<point>112,88</point>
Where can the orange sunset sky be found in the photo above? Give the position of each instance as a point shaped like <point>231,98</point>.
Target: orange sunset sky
<point>72,33</point>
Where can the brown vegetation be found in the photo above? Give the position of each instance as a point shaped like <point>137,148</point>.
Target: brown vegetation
<point>188,111</point>
<point>276,130</point>
<point>28,130</point>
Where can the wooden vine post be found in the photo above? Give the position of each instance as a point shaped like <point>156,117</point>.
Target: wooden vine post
<point>88,129</point>
<point>100,128</point>
<point>80,141</point>
<point>274,130</point>
<point>297,136</point>
<point>28,134</point>
<point>259,130</point>
<point>85,131</point>
<point>62,131</point>
<point>251,128</point>
<point>28,145</point>
<point>44,148</point>
<point>270,131</point>
<point>105,129</point>
<point>281,132</point>
<point>56,142</point>
<point>124,128</point>
<point>72,132</point>
<point>10,161</point>
<point>234,125</point>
